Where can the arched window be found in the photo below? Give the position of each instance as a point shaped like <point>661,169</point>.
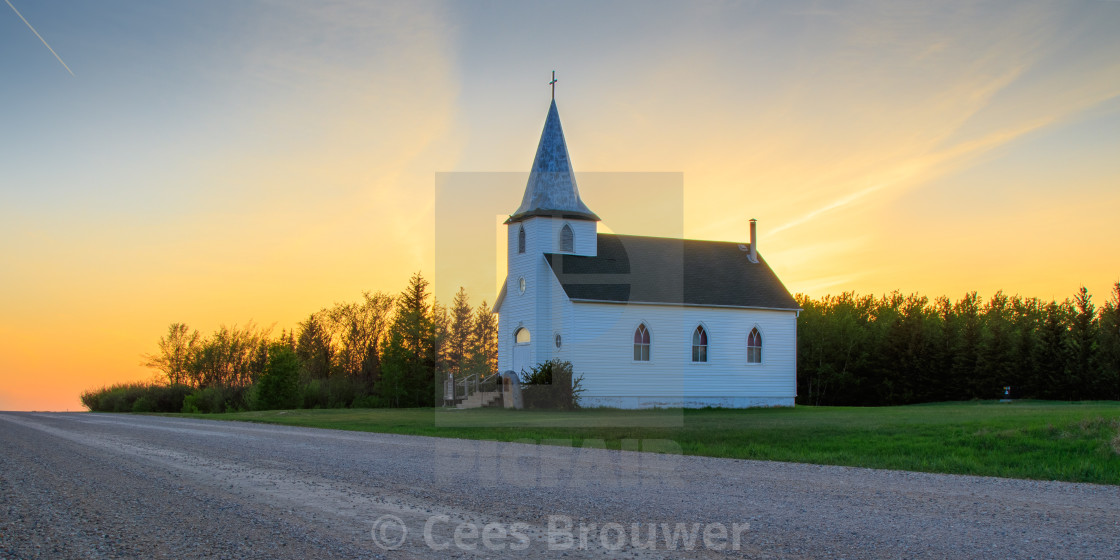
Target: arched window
<point>700,345</point>
<point>641,343</point>
<point>521,336</point>
<point>521,239</point>
<point>567,239</point>
<point>754,347</point>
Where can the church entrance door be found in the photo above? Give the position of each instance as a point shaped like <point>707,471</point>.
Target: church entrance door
<point>521,340</point>
<point>520,358</point>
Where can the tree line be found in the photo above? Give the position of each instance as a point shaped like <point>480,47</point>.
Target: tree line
<point>852,350</point>
<point>869,351</point>
<point>381,351</point>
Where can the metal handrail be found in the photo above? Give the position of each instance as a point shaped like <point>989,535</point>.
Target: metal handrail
<point>458,390</point>
<point>469,384</point>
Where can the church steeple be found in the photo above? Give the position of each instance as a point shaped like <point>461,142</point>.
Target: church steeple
<point>552,190</point>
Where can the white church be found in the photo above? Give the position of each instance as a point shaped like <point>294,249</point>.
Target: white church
<point>647,321</point>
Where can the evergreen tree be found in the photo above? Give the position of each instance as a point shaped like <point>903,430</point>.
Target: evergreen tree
<point>965,383</point>
<point>1082,343</point>
<point>1050,353</point>
<point>852,350</point>
<point>483,346</point>
<point>459,334</point>
<point>916,331</point>
<point>946,345</point>
<point>841,350</point>
<point>315,345</point>
<point>886,376</point>
<point>811,358</point>
<point>995,368</point>
<point>408,357</point>
<point>441,329</point>
<point>1109,348</point>
<point>1026,320</point>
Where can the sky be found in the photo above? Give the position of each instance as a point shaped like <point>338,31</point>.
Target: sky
<point>218,163</point>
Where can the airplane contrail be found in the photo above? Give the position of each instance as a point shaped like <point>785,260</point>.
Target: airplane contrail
<point>39,36</point>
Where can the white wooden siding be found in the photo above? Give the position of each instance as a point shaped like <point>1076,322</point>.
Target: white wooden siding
<point>602,350</point>
<point>598,338</point>
<point>544,308</point>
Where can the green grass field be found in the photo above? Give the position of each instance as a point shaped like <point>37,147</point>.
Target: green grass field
<point>1078,442</point>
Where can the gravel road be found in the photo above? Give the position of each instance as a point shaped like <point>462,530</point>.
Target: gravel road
<point>82,485</point>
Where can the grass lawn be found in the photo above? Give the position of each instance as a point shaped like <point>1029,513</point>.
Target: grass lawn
<point>1077,442</point>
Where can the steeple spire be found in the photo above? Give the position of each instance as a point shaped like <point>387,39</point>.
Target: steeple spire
<point>552,190</point>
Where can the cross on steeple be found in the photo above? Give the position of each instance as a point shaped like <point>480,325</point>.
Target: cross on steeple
<point>553,84</point>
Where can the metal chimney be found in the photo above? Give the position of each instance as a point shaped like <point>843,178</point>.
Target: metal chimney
<point>753,255</point>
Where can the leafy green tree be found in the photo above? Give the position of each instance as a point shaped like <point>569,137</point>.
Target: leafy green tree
<point>231,357</point>
<point>220,367</point>
<point>852,350</point>
<point>176,350</point>
<point>361,327</point>
<point>278,387</point>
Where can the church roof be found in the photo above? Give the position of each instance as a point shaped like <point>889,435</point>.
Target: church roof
<point>552,190</point>
<point>658,270</point>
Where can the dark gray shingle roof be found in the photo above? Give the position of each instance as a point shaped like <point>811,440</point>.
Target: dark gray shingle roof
<point>637,269</point>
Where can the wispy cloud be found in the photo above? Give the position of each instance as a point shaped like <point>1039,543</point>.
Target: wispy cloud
<point>39,36</point>
<point>818,286</point>
<point>994,103</point>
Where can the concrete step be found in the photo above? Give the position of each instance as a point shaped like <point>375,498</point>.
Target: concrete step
<point>480,399</point>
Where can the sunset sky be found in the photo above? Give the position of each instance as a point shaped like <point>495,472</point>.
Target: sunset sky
<point>219,163</point>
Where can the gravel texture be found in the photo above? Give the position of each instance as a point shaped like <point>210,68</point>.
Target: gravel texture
<point>83,485</point>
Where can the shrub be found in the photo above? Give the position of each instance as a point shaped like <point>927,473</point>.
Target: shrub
<point>210,400</point>
<point>143,404</point>
<point>136,397</point>
<point>551,385</point>
<point>202,400</point>
<point>313,395</point>
<point>169,398</point>
<point>342,391</point>
<point>120,398</point>
<point>216,399</point>
<point>91,399</point>
<point>190,404</point>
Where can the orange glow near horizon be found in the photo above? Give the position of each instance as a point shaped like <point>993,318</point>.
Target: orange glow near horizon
<point>212,170</point>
